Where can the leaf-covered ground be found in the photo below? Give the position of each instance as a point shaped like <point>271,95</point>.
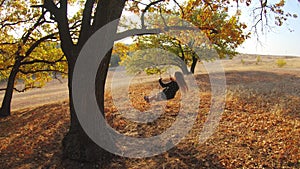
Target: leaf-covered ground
<point>260,128</point>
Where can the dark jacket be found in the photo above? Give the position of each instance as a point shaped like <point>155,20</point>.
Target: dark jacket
<point>170,88</point>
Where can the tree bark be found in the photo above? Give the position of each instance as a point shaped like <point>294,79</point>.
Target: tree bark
<point>76,144</point>
<point>5,109</point>
<point>194,63</point>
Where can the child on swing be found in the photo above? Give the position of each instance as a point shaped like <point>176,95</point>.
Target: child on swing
<point>170,88</point>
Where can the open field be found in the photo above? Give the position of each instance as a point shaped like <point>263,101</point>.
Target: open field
<point>259,128</point>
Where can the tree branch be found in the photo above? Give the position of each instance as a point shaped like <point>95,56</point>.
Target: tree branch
<point>22,90</point>
<point>3,24</point>
<point>43,61</point>
<point>36,24</point>
<point>135,32</point>
<point>64,6</point>
<point>107,11</point>
<point>162,17</point>
<point>27,34</point>
<point>55,77</point>
<point>8,43</point>
<point>37,61</point>
<point>37,43</point>
<point>41,70</point>
<point>86,21</point>
<point>145,10</point>
<point>50,6</point>
<point>61,18</point>
<point>262,14</point>
<point>181,9</point>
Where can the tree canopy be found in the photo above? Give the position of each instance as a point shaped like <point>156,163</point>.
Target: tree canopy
<point>30,50</point>
<point>224,33</point>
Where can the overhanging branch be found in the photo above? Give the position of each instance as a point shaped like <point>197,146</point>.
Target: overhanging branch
<point>40,70</point>
<point>135,32</point>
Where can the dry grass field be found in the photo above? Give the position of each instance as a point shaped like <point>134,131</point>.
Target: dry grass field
<point>259,128</point>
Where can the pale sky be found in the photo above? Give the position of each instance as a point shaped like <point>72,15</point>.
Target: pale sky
<point>279,41</point>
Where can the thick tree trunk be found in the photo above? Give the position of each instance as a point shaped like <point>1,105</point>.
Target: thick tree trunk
<point>5,109</point>
<point>76,144</point>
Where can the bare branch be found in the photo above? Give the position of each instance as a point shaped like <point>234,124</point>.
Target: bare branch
<point>135,32</point>
<point>181,9</point>
<point>261,16</point>
<point>146,9</point>
<point>55,77</point>
<point>21,90</point>
<point>76,24</point>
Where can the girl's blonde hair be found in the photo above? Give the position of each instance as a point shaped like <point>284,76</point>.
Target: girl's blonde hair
<point>181,82</point>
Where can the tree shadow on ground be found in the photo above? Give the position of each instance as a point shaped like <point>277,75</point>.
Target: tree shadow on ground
<point>31,138</point>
